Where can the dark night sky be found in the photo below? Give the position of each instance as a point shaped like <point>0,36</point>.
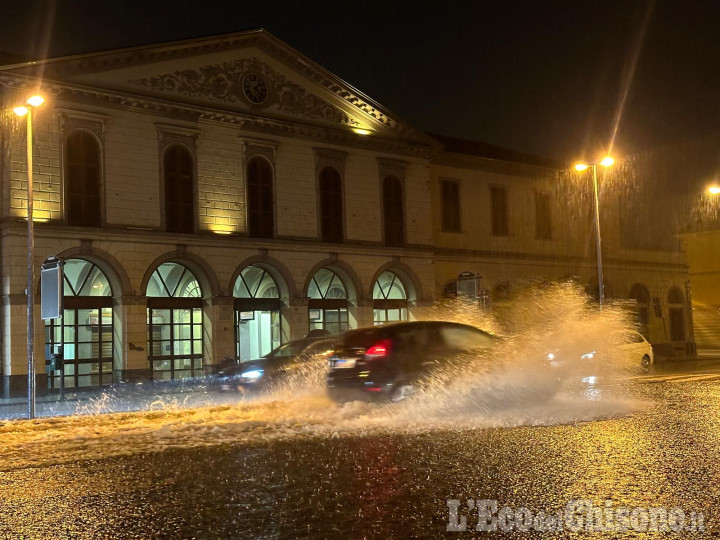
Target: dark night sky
<point>538,76</point>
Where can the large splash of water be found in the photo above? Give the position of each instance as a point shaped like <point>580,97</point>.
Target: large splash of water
<point>516,383</point>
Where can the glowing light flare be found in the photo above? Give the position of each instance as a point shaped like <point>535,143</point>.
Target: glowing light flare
<point>361,131</point>
<point>714,189</point>
<point>221,228</point>
<point>607,161</point>
<point>21,111</point>
<point>35,101</point>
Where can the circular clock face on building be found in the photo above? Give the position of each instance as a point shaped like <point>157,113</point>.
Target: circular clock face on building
<point>255,88</point>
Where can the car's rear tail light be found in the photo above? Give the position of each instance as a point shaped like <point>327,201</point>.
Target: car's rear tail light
<point>380,349</point>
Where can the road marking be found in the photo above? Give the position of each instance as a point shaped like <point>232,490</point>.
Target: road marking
<point>687,377</point>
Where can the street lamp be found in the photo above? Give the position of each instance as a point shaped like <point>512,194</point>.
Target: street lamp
<point>714,189</point>
<point>27,110</point>
<point>605,162</point>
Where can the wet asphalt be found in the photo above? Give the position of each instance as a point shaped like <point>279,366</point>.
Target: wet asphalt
<point>664,455</point>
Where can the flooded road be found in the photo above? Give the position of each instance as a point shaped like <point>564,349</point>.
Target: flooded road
<point>309,468</point>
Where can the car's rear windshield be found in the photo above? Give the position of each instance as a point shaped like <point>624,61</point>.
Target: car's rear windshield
<point>465,338</point>
<point>363,338</point>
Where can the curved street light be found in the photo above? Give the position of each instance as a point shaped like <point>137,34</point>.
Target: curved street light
<point>27,111</point>
<point>607,161</point>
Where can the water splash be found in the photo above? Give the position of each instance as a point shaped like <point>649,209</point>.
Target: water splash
<point>511,385</point>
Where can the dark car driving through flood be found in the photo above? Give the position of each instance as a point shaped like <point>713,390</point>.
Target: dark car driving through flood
<point>389,362</point>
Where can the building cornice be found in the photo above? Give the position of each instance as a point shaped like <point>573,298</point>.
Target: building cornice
<point>470,255</point>
<point>150,236</point>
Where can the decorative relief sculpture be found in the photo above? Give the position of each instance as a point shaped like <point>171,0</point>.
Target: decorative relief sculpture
<point>224,82</point>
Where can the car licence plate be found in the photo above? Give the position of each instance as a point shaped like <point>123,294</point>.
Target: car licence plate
<point>343,363</point>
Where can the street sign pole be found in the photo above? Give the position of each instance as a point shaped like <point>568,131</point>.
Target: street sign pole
<point>51,297</point>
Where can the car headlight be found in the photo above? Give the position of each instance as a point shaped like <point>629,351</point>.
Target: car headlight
<point>252,374</point>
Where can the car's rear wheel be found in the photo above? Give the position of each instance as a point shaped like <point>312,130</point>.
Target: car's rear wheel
<point>645,363</point>
<point>402,391</point>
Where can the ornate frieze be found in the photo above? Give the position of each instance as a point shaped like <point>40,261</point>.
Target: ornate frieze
<point>237,82</point>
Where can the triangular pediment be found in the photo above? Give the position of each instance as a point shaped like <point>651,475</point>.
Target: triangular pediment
<point>250,73</point>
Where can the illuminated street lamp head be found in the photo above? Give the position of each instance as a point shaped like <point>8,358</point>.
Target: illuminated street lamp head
<point>607,161</point>
<point>714,189</point>
<point>581,166</point>
<point>35,101</point>
<point>32,101</point>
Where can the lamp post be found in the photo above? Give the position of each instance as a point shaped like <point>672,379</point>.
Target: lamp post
<point>27,110</point>
<point>605,162</point>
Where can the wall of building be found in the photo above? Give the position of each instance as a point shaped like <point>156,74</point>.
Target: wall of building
<point>520,257</point>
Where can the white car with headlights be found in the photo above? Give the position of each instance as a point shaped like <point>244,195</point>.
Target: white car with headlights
<point>634,352</point>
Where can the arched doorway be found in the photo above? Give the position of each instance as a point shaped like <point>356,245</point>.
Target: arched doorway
<point>641,295</point>
<point>257,313</point>
<point>327,304</point>
<point>85,330</point>
<point>174,319</point>
<point>389,299</point>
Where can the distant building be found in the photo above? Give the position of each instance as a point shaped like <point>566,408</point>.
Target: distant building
<point>220,196</point>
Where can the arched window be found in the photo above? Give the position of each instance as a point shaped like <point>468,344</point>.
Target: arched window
<point>641,295</point>
<point>257,313</point>
<point>82,180</point>
<point>393,212</point>
<point>676,311</point>
<point>85,330</point>
<point>331,206</point>
<point>175,326</point>
<point>389,299</point>
<point>327,304</point>
<point>179,199</point>
<point>261,202</point>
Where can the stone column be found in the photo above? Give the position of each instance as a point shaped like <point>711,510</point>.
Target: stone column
<point>364,313</point>
<point>131,339</point>
<point>14,346</point>
<point>219,338</point>
<point>296,316</point>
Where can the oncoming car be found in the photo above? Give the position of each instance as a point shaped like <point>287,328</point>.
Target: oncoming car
<point>635,352</point>
<point>632,353</point>
<point>389,362</point>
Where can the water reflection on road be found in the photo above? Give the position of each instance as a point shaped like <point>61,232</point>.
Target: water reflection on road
<point>320,480</point>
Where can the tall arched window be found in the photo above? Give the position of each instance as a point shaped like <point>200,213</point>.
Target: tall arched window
<point>85,330</point>
<point>82,180</point>
<point>331,206</point>
<point>257,313</point>
<point>261,202</point>
<point>676,311</point>
<point>179,199</point>
<point>389,299</point>
<point>641,295</point>
<point>174,319</point>
<point>327,304</point>
<point>393,212</point>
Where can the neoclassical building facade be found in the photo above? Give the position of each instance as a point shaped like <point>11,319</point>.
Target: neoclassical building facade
<point>223,195</point>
